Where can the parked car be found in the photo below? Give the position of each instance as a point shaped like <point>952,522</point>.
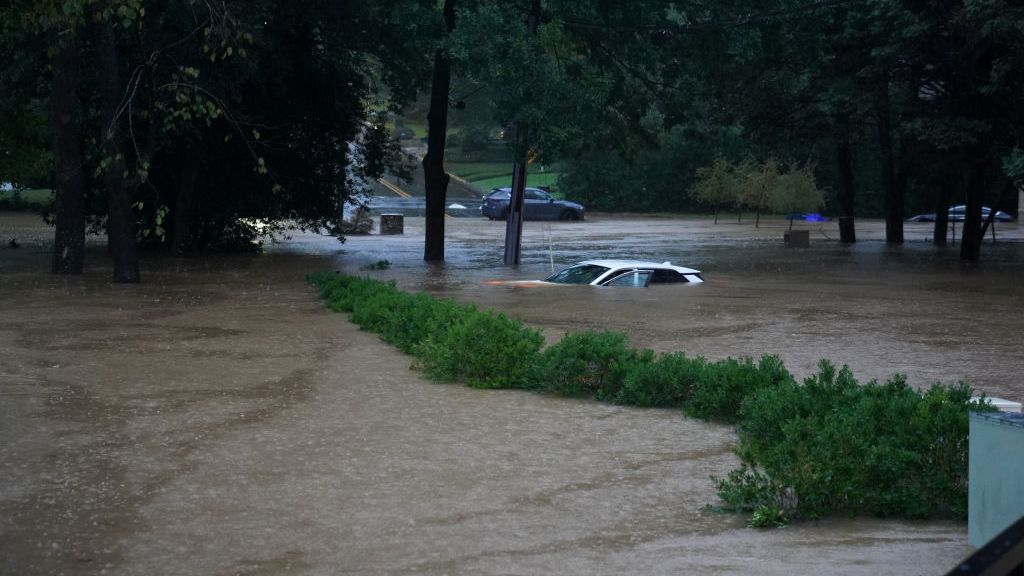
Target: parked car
<point>537,205</point>
<point>630,273</point>
<point>956,214</point>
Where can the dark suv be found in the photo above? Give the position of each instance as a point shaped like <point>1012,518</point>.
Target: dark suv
<point>537,205</point>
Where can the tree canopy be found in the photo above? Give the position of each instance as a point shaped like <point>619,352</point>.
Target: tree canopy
<point>206,123</point>
<point>198,124</point>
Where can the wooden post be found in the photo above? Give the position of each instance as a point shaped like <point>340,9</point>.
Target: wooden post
<point>392,224</point>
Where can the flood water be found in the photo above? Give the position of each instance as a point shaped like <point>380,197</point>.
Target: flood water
<point>913,309</point>
<point>217,419</point>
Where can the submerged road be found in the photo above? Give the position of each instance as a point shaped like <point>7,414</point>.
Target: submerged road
<point>217,419</point>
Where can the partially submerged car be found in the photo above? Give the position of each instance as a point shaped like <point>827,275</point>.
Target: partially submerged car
<point>631,273</point>
<point>537,205</point>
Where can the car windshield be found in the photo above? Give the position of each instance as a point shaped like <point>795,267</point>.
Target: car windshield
<point>578,274</point>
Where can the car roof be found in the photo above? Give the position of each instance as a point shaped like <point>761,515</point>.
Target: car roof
<point>507,189</point>
<point>638,264</point>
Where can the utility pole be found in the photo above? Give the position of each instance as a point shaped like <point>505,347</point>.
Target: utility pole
<point>514,223</point>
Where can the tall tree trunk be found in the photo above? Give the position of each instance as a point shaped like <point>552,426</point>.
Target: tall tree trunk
<point>970,236</point>
<point>434,176</point>
<point>893,192</point>
<point>120,188</point>
<point>845,198</point>
<point>69,234</point>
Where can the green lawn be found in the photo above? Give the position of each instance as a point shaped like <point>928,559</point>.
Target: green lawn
<point>25,199</point>
<point>487,175</point>
<point>473,171</point>
<point>532,179</point>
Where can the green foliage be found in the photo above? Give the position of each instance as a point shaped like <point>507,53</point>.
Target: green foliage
<point>795,191</point>
<point>769,517</point>
<point>451,342</point>
<point>666,382</point>
<point>758,183</point>
<point>416,318</point>
<point>250,111</point>
<point>378,265</point>
<point>587,364</point>
<point>761,187</point>
<point>746,490</point>
<point>482,349</point>
<point>654,178</point>
<point>716,185</point>
<point>724,385</point>
<point>1013,165</point>
<point>832,445</point>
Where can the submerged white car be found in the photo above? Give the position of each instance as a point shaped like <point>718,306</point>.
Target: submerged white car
<point>631,273</point>
<point>636,273</point>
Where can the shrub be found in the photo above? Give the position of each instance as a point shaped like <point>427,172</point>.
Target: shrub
<point>483,349</point>
<point>723,385</point>
<point>666,382</point>
<point>826,446</point>
<point>589,364</point>
<point>418,317</point>
<point>341,292</point>
<point>841,447</point>
<point>374,310</point>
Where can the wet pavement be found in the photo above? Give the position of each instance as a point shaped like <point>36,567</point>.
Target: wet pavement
<point>217,419</point>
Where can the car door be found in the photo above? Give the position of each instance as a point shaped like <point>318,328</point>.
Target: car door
<point>534,204</point>
<point>630,279</point>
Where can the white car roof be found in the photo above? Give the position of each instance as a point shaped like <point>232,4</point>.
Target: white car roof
<point>639,264</point>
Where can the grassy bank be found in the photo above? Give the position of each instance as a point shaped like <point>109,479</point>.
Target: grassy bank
<point>487,175</point>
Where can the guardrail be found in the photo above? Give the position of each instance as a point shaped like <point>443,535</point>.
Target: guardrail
<point>1002,556</point>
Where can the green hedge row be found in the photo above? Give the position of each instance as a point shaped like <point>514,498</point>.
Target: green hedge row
<point>825,446</point>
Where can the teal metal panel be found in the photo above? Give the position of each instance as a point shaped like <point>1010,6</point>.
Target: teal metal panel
<point>995,491</point>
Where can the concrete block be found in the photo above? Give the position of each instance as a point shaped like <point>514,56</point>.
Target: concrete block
<point>797,238</point>
<point>392,223</point>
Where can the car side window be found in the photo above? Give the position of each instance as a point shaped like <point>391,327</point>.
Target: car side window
<point>631,279</point>
<point>532,194</point>
<point>668,277</point>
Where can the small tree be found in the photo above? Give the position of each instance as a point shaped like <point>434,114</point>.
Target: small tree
<point>756,185</point>
<point>716,185</point>
<point>795,191</point>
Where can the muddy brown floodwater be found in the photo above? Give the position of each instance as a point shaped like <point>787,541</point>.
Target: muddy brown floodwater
<point>217,419</point>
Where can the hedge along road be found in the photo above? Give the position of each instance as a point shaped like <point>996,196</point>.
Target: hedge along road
<point>217,419</point>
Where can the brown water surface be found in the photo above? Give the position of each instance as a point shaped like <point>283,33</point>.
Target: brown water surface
<point>216,419</point>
